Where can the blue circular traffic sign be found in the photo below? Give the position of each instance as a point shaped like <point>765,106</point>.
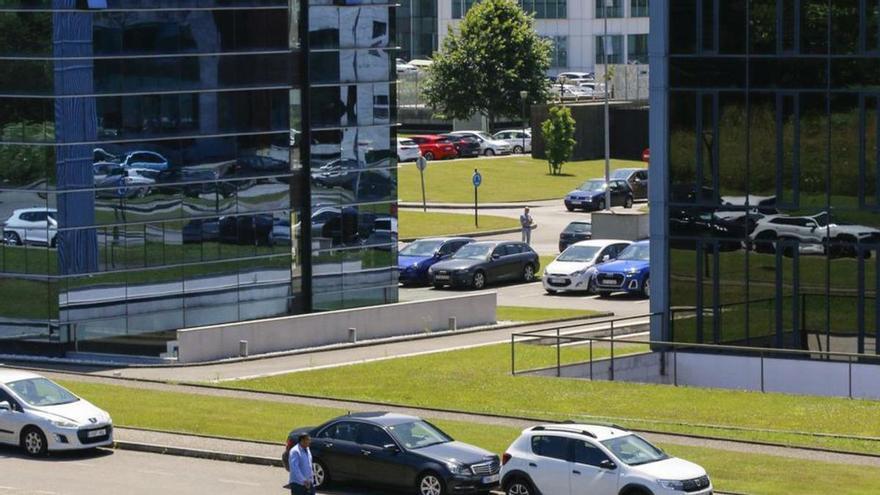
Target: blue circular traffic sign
<point>477,179</point>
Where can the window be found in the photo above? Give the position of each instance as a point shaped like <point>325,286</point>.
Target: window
<point>552,447</point>
<point>638,8</point>
<point>614,8</point>
<point>558,51</point>
<point>610,47</point>
<point>542,9</point>
<point>637,48</point>
<point>375,436</point>
<point>512,249</point>
<point>344,431</point>
<point>589,454</point>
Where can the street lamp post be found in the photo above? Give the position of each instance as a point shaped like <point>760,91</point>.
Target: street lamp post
<point>524,95</point>
<point>607,125</point>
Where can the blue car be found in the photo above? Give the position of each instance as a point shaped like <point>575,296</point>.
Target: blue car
<point>414,260</point>
<point>630,272</point>
<point>590,195</point>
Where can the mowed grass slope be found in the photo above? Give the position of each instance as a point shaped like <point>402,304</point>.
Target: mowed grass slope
<point>479,380</point>
<point>418,224</point>
<point>271,422</point>
<point>507,179</point>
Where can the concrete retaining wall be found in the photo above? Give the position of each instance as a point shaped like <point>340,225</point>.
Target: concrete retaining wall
<point>332,327</point>
<point>628,225</point>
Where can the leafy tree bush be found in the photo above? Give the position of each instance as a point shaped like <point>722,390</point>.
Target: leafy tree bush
<point>558,132</point>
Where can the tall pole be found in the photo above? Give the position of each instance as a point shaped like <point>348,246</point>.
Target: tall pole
<point>607,125</point>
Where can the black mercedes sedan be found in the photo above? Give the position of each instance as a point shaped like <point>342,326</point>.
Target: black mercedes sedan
<point>399,452</point>
<point>481,263</point>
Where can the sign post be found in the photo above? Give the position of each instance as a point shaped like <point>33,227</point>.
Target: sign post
<point>422,164</point>
<point>477,179</point>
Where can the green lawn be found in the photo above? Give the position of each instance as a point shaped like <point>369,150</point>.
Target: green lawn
<point>270,421</point>
<point>524,313</point>
<point>514,178</point>
<point>479,380</point>
<point>418,224</point>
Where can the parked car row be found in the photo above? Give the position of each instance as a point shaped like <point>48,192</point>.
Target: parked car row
<point>463,144</point>
<point>601,267</point>
<point>408,453</point>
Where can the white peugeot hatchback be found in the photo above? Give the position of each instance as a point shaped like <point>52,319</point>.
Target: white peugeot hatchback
<point>41,416</point>
<point>575,459</point>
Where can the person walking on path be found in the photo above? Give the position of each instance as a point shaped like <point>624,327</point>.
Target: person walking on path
<point>301,475</point>
<point>526,223</point>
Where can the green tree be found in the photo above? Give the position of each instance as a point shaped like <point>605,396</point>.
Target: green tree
<point>482,68</point>
<point>558,133</point>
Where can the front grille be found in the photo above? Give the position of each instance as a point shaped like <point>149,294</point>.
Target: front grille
<point>558,280</point>
<point>486,468</point>
<point>696,484</point>
<point>610,279</point>
<point>85,439</point>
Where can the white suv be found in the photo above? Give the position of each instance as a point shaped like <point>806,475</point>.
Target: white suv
<point>575,459</point>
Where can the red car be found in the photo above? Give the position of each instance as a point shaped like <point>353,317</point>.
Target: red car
<point>435,147</point>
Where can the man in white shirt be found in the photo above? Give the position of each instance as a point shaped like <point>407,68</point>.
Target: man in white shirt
<point>301,475</point>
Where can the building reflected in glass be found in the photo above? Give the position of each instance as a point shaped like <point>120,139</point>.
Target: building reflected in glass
<point>153,171</point>
<point>769,132</point>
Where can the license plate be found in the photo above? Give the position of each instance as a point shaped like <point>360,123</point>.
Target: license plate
<point>495,478</point>
<point>441,277</point>
<point>556,280</point>
<point>97,433</point>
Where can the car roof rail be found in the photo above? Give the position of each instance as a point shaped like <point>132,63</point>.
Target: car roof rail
<point>563,429</point>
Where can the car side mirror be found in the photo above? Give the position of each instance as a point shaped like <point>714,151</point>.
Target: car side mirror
<point>495,256</point>
<point>606,257</point>
<point>437,254</point>
<point>608,464</point>
<point>813,228</point>
<point>5,406</point>
<point>391,448</point>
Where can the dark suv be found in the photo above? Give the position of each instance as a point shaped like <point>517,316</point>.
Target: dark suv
<point>396,451</point>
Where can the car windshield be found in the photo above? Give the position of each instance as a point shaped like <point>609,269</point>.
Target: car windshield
<point>40,392</point>
<point>421,248</point>
<point>474,252</point>
<point>484,136</point>
<point>636,252</point>
<point>593,185</point>
<point>418,434</point>
<point>634,450</point>
<point>620,174</point>
<point>578,227</point>
<point>579,253</point>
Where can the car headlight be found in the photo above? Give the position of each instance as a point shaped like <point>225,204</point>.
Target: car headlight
<point>579,273</point>
<point>62,423</point>
<point>632,270</point>
<point>671,484</point>
<point>458,468</point>
<point>462,271</point>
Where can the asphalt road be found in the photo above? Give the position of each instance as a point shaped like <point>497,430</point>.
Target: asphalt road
<point>107,472</point>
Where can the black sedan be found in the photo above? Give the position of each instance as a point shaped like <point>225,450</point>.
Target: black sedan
<point>397,451</point>
<point>575,232</point>
<point>480,263</point>
<point>467,147</point>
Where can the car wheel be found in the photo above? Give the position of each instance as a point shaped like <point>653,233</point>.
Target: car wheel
<point>517,150</point>
<point>489,152</point>
<point>322,475</point>
<point>13,239</point>
<point>628,202</point>
<point>569,207</point>
<point>429,156</point>
<point>528,273</point>
<point>431,484</point>
<point>479,280</point>
<point>603,294</point>
<point>438,286</point>
<point>33,441</point>
<point>519,486</point>
<point>550,291</point>
<point>646,288</point>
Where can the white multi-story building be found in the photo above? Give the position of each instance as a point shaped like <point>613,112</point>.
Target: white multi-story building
<point>575,29</point>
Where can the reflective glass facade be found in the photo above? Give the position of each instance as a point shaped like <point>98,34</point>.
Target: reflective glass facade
<point>153,170</point>
<point>769,158</point>
<point>417,28</point>
<point>542,9</point>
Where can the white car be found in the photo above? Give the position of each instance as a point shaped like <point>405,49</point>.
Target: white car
<point>489,146</point>
<point>407,150</point>
<point>570,271</point>
<point>576,77</point>
<point>41,416</point>
<point>519,140</point>
<point>405,68</point>
<point>573,459</point>
<point>810,232</point>
<point>145,159</point>
<point>31,226</point>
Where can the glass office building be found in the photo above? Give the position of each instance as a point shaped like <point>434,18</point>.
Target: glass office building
<point>417,29</point>
<point>154,171</point>
<point>765,160</point>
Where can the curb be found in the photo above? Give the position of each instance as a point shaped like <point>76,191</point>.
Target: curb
<point>31,363</point>
<point>484,233</point>
<point>197,453</point>
<point>464,206</point>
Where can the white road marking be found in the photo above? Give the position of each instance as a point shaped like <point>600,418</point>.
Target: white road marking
<point>237,482</point>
